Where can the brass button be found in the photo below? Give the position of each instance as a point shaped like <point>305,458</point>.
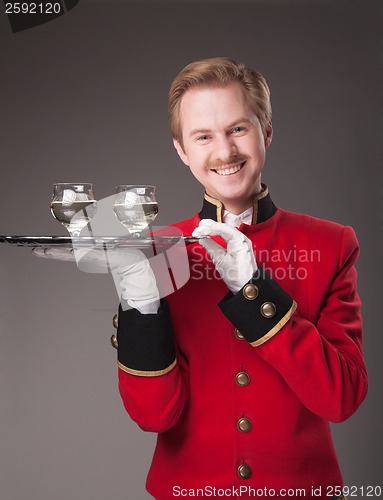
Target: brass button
<point>268,309</point>
<point>113,341</point>
<point>238,334</point>
<point>250,291</point>
<point>244,471</point>
<point>115,321</point>
<point>242,379</point>
<point>244,425</point>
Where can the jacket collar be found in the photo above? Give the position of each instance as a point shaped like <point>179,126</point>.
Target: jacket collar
<point>263,207</point>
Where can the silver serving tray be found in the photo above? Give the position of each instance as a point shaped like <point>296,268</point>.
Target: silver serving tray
<point>157,242</point>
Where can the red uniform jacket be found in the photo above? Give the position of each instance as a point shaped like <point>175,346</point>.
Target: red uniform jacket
<point>240,388</point>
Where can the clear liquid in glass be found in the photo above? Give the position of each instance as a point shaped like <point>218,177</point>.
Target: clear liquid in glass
<point>74,216</point>
<point>136,218</point>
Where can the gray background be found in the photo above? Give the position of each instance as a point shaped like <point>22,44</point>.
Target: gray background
<point>83,98</point>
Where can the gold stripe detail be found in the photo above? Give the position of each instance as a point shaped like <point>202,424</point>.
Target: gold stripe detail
<point>276,327</point>
<point>218,204</point>
<point>258,197</point>
<point>140,373</point>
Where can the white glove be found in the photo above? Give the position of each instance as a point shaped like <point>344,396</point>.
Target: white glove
<point>133,276</point>
<point>236,264</point>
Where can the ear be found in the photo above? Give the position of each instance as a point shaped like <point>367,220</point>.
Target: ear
<point>181,152</point>
<point>268,135</point>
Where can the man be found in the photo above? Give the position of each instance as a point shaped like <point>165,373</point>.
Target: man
<point>240,371</point>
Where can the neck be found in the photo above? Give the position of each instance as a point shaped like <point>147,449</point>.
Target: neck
<point>263,207</point>
<point>236,207</point>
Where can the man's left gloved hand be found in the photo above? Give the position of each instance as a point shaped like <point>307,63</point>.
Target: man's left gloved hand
<point>236,264</point>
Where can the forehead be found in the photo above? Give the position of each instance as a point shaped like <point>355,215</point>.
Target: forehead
<point>214,105</point>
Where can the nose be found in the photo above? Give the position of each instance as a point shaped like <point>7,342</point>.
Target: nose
<point>225,147</point>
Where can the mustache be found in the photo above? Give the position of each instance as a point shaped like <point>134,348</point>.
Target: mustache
<point>218,163</point>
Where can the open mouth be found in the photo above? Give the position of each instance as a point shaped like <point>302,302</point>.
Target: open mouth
<point>229,170</point>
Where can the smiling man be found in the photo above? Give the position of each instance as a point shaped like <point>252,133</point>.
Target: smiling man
<point>223,143</point>
<point>241,370</point>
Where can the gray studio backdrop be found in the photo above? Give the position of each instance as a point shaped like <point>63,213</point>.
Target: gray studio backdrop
<point>83,98</point>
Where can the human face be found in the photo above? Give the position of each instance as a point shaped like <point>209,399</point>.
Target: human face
<point>223,144</point>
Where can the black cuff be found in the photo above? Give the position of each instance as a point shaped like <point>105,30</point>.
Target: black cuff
<point>145,342</point>
<point>260,309</point>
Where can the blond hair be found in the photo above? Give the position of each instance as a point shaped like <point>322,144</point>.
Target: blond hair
<point>219,71</point>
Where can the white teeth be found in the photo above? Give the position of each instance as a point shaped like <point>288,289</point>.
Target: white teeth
<point>228,171</point>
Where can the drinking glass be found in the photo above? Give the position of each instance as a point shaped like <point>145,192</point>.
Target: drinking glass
<point>73,205</point>
<point>135,206</point>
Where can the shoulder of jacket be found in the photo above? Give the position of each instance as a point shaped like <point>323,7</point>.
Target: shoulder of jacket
<point>324,234</point>
<point>311,222</point>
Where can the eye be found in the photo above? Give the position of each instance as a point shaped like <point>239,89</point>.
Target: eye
<point>237,130</point>
<point>202,138</point>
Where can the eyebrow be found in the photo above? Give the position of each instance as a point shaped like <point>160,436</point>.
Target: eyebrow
<point>204,131</point>
<point>198,131</point>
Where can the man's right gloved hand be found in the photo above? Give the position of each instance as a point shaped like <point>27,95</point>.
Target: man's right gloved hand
<point>133,276</point>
